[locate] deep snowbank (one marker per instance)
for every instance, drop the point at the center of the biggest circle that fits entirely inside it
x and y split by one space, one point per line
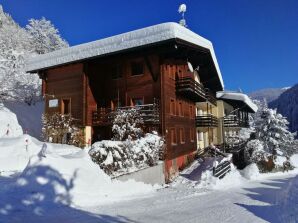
235 178
66 171
29 117
87 183
54 174
9 126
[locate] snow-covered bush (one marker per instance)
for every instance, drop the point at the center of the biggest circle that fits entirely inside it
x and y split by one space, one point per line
255 151
116 157
129 149
61 128
127 124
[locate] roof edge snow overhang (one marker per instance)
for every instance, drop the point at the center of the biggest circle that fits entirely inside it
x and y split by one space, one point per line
237 99
151 35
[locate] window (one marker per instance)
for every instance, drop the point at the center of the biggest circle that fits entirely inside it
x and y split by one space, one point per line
180 109
172 107
173 136
200 136
116 71
137 101
137 68
65 108
181 135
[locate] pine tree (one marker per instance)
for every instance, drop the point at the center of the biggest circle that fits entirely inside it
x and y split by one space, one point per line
272 137
272 129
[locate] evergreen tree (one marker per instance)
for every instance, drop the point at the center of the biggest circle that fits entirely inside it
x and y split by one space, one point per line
272 129
272 138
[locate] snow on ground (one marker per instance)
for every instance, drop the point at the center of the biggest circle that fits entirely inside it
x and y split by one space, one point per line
59 183
42 180
48 177
29 117
9 126
272 199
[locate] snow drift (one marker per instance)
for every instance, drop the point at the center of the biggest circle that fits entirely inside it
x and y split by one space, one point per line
54 174
9 126
66 171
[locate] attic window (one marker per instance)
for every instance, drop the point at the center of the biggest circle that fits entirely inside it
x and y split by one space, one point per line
137 68
116 71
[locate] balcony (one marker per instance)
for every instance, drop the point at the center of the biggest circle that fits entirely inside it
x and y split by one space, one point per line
189 88
232 147
210 97
233 121
149 113
206 121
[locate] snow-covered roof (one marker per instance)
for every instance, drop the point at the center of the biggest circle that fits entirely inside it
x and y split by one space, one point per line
237 97
136 38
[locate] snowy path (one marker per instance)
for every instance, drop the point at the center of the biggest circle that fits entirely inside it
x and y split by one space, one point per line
274 199
271 200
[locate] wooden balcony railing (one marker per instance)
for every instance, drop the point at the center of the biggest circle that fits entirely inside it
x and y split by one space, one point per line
234 121
234 147
188 87
210 97
206 121
148 112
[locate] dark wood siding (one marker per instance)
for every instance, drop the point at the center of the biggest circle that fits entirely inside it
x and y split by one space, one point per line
102 89
185 119
65 82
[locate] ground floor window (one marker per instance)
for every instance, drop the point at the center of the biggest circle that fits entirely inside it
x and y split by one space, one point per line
181 135
173 136
65 107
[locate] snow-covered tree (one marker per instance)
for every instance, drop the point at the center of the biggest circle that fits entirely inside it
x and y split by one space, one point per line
44 36
16 44
127 124
13 49
272 138
272 129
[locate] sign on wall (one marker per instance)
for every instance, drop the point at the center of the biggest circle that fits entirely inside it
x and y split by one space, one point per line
53 103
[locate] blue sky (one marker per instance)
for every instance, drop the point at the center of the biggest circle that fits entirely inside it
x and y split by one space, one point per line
256 41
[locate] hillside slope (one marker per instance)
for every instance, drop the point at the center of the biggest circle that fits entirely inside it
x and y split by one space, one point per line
270 94
287 105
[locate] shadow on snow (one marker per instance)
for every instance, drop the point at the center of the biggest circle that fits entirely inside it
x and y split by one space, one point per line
41 194
281 198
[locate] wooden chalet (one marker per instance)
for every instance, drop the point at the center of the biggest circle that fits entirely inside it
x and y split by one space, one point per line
150 68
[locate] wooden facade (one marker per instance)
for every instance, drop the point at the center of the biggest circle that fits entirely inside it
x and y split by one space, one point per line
93 88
